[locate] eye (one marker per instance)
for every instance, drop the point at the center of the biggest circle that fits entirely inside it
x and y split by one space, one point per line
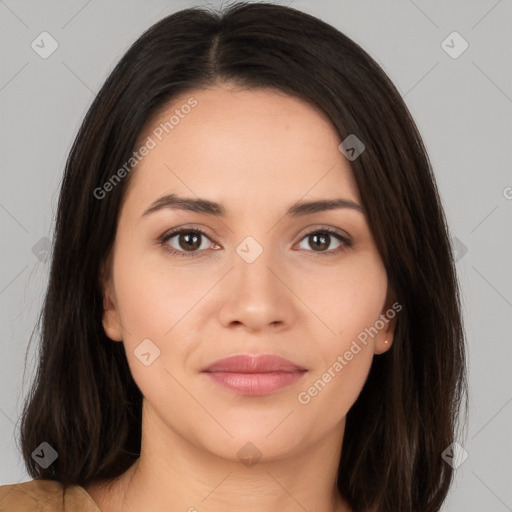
187 240
322 238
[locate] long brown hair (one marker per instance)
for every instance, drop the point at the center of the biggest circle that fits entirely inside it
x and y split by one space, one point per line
84 401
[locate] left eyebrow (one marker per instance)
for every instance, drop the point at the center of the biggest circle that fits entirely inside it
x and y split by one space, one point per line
208 207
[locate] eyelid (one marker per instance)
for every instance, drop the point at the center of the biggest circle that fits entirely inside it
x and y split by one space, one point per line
314 228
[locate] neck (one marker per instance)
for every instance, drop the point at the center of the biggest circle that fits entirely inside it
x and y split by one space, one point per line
174 474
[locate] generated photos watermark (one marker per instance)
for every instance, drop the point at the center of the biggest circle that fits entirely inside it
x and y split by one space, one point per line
157 135
304 397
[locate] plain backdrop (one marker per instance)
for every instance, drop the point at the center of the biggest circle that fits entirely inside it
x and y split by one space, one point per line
462 103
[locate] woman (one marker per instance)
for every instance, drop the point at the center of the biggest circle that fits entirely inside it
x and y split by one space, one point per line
252 301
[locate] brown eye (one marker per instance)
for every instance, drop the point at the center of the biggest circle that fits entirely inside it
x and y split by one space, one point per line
187 241
320 241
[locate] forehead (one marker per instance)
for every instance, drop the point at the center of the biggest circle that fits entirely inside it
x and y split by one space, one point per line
244 147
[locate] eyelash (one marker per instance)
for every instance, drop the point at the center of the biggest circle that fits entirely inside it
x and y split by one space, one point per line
346 242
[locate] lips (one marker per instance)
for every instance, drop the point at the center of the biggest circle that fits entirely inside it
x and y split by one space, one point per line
245 363
254 375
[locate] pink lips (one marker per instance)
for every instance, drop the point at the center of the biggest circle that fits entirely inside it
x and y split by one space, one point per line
254 374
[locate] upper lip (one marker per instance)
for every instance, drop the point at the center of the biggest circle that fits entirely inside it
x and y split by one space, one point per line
258 363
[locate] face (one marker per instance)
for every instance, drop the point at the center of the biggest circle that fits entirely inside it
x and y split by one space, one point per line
265 277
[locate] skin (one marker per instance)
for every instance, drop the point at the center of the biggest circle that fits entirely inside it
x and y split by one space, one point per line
257 152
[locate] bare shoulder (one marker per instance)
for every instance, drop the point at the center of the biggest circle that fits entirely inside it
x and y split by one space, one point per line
44 496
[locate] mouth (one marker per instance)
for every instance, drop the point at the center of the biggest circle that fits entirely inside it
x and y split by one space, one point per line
254 375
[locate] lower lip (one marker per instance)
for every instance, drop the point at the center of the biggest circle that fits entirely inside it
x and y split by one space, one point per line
255 384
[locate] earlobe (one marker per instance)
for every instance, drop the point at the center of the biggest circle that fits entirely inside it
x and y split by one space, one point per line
111 323
383 343
111 327
384 340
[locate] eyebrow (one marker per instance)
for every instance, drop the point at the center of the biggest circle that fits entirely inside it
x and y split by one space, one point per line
208 207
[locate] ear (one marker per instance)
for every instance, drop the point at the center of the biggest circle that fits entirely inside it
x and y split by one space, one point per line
111 320
387 323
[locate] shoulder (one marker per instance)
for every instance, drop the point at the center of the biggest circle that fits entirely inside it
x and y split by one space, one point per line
45 496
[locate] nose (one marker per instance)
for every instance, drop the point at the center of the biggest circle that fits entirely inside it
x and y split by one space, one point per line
255 293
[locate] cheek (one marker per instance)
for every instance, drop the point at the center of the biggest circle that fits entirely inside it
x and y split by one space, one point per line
331 392
153 298
344 299
350 308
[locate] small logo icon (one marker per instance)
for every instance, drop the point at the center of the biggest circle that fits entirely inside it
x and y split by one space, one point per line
249 249
44 455
454 45
146 352
44 45
41 249
455 455
351 147
249 455
459 249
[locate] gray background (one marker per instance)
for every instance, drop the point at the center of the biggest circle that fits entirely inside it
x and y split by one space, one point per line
462 107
